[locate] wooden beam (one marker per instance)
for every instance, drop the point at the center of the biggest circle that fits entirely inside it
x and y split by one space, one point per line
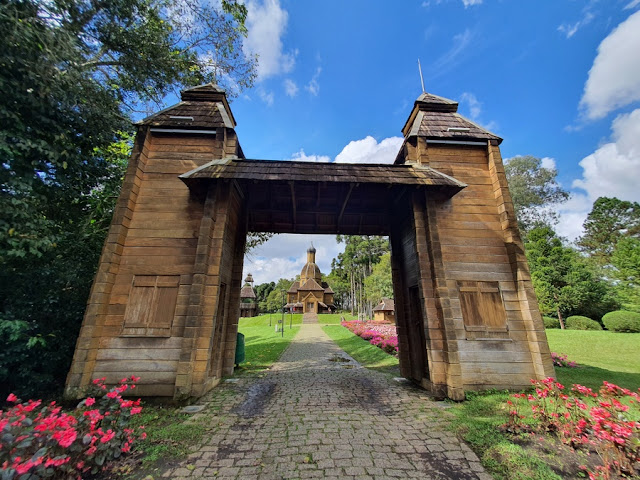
344 204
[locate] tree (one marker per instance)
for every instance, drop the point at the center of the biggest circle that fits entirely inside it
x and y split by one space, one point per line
609 221
379 284
71 73
534 191
626 260
361 253
262 292
278 296
564 283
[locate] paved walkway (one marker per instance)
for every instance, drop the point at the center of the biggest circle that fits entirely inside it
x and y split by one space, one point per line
318 414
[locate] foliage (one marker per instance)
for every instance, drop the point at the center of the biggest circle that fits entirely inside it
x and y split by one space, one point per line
255 239
379 284
584 419
534 191
579 322
353 266
622 321
550 322
626 262
262 292
45 442
561 360
278 295
71 73
564 283
609 221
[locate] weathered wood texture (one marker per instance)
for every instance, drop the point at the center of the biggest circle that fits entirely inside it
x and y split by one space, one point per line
492 313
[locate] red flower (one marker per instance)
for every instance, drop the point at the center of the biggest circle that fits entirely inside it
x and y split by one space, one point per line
107 436
12 398
89 401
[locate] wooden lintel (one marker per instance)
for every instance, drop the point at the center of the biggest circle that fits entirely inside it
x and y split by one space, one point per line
344 204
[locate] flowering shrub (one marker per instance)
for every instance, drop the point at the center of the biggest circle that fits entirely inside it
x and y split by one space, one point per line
42 441
583 418
561 360
382 335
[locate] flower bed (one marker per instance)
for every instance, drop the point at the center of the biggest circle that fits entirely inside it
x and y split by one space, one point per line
380 335
39 441
604 422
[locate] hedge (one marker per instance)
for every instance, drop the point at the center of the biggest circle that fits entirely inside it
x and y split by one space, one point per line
577 322
550 322
622 321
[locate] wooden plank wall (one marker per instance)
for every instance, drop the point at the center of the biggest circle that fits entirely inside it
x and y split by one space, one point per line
474 234
155 232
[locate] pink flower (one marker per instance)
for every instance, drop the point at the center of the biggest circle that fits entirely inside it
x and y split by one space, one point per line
89 401
112 394
107 436
65 437
12 398
136 410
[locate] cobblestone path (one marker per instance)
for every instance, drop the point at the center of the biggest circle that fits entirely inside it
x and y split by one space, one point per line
311 416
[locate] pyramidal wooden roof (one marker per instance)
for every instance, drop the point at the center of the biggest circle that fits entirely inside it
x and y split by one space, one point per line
202 107
437 118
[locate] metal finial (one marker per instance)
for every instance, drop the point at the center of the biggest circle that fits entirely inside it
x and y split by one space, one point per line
421 79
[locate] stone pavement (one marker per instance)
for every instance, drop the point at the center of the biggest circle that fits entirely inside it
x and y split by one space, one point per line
318 414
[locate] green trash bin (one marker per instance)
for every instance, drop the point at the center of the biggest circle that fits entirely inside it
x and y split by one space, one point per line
239 349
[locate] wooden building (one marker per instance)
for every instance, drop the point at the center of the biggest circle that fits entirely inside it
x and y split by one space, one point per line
248 299
385 311
310 294
166 298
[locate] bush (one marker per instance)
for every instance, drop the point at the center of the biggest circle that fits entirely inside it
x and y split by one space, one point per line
622 321
550 322
577 322
44 442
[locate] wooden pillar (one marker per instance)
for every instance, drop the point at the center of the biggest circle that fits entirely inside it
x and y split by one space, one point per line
98 306
532 320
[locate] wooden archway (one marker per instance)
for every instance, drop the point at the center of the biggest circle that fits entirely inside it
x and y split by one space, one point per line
165 302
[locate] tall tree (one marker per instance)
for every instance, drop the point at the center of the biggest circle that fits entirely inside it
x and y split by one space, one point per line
564 283
379 284
626 261
534 191
71 73
610 220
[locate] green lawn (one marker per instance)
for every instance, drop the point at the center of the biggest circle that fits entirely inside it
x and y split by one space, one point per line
361 350
601 355
263 345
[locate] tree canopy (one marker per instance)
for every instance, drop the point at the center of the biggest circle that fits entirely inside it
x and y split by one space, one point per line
534 191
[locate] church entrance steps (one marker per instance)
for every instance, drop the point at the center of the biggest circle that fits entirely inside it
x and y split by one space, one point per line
310 318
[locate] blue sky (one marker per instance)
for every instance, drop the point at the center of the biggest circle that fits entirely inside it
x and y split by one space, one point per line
559 80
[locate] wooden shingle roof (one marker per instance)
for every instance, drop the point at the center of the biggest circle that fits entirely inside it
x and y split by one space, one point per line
282 171
202 107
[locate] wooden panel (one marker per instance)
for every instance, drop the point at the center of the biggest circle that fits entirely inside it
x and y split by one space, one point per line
482 306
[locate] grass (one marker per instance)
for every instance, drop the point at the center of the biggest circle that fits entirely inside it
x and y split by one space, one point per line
601 355
169 433
361 350
263 345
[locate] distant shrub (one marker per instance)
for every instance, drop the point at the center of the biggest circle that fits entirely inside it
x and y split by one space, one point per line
622 321
577 322
550 322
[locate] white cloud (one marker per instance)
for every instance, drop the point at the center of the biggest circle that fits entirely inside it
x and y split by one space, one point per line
266 97
368 150
303 157
614 168
548 162
266 24
314 87
612 171
474 106
452 57
470 3
632 4
614 78
290 87
283 256
570 29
